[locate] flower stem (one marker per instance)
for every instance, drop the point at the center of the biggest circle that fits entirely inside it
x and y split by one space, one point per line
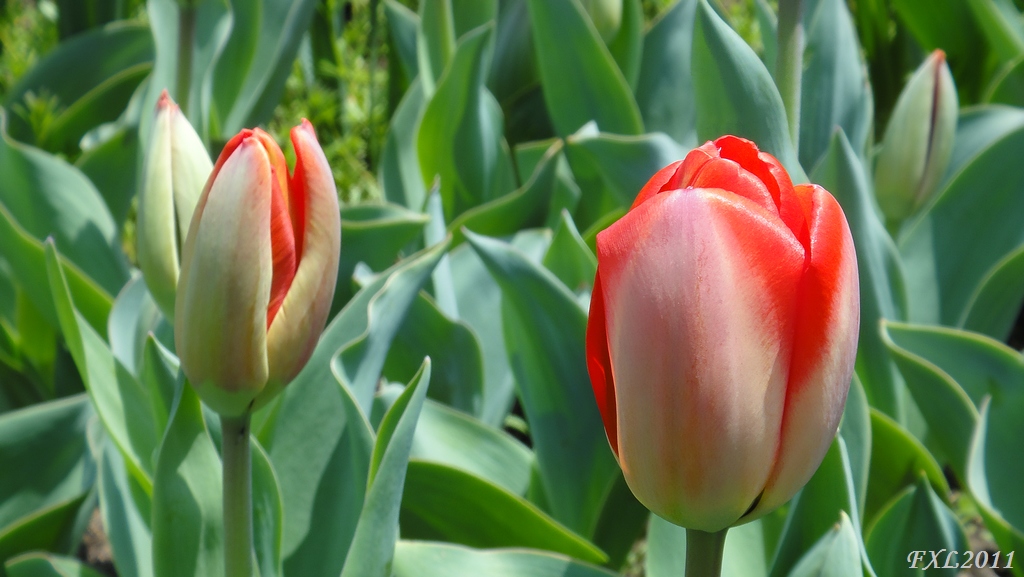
237 496
704 553
186 38
789 65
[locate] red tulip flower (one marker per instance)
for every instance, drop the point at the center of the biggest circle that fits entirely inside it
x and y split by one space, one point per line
722 335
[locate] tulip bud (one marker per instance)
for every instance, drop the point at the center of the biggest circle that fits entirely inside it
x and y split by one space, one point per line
258 270
722 335
918 141
606 16
177 166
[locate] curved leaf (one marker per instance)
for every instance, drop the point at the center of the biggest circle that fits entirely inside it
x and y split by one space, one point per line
665 89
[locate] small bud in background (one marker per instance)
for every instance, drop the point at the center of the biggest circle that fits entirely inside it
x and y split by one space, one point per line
606 16
177 166
918 141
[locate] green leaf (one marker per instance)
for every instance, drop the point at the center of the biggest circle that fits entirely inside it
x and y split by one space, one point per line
950 248
835 89
460 134
622 522
1000 23
568 46
403 26
523 208
435 42
569 258
437 497
855 429
115 179
514 67
374 234
736 94
46 196
46 565
469 14
126 526
978 128
267 513
399 173
457 373
46 528
188 524
744 555
122 403
916 520
626 47
836 554
373 546
416 559
945 369
664 91
993 470
897 460
990 310
544 332
92 75
132 318
882 291
945 24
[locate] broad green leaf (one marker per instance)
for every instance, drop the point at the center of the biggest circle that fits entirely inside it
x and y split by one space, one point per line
514 66
897 460
121 402
126 526
978 128
1000 23
374 234
44 448
132 318
945 24
829 495
523 208
836 554
664 91
882 291
77 16
416 559
399 173
267 513
460 135
48 197
768 22
569 258
469 14
92 76
916 520
626 47
745 554
437 497
970 227
457 378
47 528
622 522
1008 85
47 565
568 46
855 429
115 179
993 470
951 372
436 41
251 70
403 26
735 94
544 329
158 376
990 310
373 545
835 90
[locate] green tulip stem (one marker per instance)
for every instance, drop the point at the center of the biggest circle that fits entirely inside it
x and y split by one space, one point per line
237 496
789 65
704 552
186 38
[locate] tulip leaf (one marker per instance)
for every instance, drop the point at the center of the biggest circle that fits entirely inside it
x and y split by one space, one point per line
978 128
626 47
470 14
897 460
399 173
830 494
994 471
569 258
132 318
187 517
568 46
622 522
736 94
664 91
457 364
435 42
945 252
855 429
48 528
836 554
1000 23
91 77
116 180
48 565
126 525
45 445
883 295
744 556
544 332
460 138
525 207
122 403
1000 292
403 26
373 545
435 496
945 24
835 89
374 234
916 520
418 559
